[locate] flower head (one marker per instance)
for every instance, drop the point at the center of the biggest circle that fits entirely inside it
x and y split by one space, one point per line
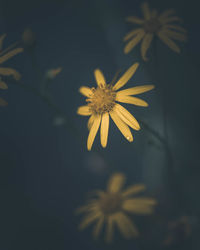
152 25
102 103
4 71
113 206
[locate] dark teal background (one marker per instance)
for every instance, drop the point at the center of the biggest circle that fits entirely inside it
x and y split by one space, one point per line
46 171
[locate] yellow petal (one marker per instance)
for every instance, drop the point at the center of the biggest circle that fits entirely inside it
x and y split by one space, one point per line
126 76
86 91
175 35
146 11
88 220
144 201
98 226
109 229
99 78
146 44
127 117
90 121
10 72
125 226
93 131
133 190
130 45
116 183
175 27
170 19
124 129
2 37
137 209
166 14
168 42
132 33
3 102
84 110
131 100
135 90
134 19
104 129
10 54
3 85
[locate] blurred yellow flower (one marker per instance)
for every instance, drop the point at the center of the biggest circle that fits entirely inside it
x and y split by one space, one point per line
102 102
152 25
4 71
113 206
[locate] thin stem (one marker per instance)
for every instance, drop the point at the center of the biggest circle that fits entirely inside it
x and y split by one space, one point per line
171 177
48 100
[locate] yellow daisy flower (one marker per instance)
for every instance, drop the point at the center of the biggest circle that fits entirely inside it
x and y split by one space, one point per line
152 25
4 71
112 206
102 102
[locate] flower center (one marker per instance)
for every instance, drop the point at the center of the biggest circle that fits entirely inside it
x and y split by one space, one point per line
102 100
110 203
152 26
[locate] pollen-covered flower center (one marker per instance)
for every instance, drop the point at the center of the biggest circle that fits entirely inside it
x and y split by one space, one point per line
102 99
110 203
152 26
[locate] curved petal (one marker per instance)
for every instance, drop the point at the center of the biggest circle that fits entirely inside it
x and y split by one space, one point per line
133 190
10 54
132 33
90 121
3 103
90 218
146 11
175 35
116 183
168 42
109 229
170 19
10 72
126 76
135 90
144 201
132 100
132 207
86 91
2 37
127 117
130 45
146 44
3 85
175 27
124 129
104 129
84 110
98 226
125 226
134 19
166 14
93 131
100 79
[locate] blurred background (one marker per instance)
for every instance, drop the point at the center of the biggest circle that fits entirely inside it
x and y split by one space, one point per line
45 168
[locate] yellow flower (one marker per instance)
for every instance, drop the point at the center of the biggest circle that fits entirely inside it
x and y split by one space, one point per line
112 206
4 71
152 25
102 102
